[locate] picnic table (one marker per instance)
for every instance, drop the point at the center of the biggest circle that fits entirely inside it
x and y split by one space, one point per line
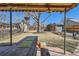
25 47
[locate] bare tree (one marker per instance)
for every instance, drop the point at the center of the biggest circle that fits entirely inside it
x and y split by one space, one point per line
22 26
36 16
1 23
17 24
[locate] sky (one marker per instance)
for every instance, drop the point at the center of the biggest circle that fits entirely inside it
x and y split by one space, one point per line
56 17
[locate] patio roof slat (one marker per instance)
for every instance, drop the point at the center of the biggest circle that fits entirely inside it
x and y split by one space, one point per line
36 6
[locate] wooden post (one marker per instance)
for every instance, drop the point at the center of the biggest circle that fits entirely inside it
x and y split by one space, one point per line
65 31
10 26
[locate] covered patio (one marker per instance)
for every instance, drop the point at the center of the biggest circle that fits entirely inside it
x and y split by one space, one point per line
38 7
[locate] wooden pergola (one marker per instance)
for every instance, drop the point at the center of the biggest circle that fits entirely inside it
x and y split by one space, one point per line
37 7
41 7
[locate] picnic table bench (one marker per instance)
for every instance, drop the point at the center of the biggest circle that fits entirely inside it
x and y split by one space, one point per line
25 47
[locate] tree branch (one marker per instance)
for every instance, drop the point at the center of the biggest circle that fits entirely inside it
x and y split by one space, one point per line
46 18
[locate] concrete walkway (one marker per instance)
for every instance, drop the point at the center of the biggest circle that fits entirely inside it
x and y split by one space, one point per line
54 51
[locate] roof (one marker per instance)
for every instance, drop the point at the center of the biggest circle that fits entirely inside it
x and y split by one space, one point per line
70 22
4 24
42 7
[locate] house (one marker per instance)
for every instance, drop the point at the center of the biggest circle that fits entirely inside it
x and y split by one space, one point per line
4 25
71 25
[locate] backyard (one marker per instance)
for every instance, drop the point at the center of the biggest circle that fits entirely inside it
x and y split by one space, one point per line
51 40
54 40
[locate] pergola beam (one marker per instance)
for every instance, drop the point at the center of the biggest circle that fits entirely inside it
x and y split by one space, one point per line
35 7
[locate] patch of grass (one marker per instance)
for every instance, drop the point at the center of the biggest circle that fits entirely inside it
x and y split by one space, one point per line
26 44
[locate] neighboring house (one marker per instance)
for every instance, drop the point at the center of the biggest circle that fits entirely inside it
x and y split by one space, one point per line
4 25
41 26
71 24
59 27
